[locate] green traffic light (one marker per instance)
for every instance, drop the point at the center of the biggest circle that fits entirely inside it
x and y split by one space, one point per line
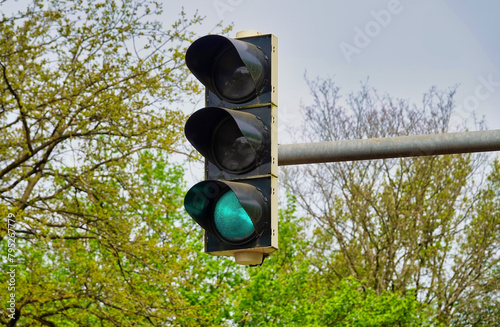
236 133
231 220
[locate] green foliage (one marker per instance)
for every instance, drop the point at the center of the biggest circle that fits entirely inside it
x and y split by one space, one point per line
87 115
480 246
125 264
289 291
355 304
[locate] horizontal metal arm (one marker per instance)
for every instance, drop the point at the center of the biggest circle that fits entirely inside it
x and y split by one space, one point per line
390 147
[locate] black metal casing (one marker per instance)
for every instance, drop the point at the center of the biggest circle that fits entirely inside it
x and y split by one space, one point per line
255 118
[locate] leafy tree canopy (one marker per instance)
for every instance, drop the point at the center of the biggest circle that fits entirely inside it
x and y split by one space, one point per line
427 226
87 117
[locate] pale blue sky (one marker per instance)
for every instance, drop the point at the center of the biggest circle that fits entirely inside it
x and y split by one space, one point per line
404 46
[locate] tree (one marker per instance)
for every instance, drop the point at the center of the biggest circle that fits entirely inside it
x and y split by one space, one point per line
414 226
289 291
87 114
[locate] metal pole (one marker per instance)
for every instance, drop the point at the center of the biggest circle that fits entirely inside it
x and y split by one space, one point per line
391 147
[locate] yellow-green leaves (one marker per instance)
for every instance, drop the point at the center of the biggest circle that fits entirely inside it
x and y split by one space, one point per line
81 101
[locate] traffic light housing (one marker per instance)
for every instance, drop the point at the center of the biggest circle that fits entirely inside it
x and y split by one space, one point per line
237 134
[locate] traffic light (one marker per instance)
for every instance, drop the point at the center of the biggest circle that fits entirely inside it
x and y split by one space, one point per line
236 132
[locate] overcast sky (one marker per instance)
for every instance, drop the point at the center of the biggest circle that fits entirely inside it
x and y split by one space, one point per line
403 46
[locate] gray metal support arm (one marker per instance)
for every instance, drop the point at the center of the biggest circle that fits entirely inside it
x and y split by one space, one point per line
390 147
